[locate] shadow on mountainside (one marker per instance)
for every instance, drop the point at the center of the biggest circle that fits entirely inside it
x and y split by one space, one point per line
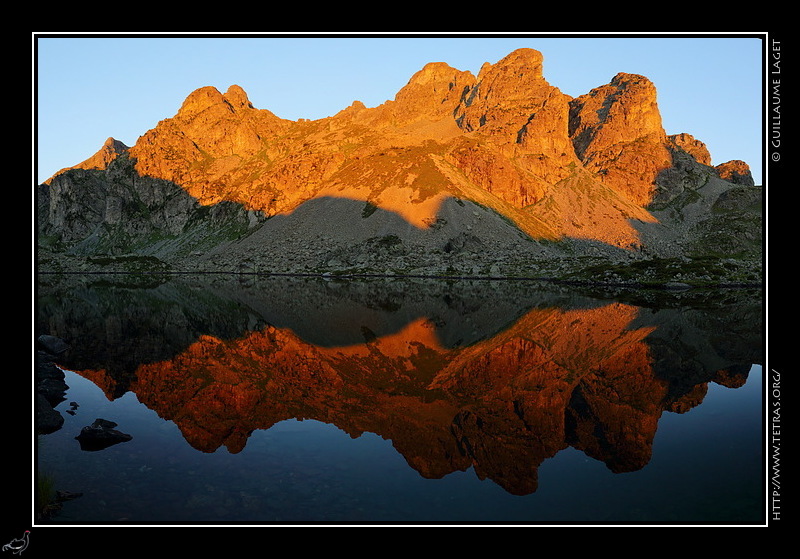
116 220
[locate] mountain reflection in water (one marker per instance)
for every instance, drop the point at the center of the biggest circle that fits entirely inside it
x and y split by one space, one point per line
497 376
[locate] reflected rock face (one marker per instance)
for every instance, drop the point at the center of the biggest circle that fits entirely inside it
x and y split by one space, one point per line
456 377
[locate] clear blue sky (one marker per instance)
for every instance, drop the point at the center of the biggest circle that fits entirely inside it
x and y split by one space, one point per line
90 88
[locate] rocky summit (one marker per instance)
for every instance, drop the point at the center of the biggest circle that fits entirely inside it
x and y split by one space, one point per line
495 175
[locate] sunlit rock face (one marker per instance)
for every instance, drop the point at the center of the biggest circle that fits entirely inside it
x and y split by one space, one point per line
736 171
596 173
692 146
617 132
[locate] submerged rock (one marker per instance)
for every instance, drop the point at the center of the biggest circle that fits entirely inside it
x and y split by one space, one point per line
100 435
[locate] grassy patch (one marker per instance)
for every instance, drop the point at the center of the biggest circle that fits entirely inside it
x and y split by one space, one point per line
389 240
133 263
660 271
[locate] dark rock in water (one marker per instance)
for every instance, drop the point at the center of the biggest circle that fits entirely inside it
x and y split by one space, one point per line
676 285
50 381
100 435
52 344
50 391
48 420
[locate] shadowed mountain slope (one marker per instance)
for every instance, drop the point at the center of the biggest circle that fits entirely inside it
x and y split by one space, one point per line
499 173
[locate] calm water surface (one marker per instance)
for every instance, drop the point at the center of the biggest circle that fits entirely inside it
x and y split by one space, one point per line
290 400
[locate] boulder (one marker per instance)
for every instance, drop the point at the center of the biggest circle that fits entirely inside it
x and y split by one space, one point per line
100 435
52 345
50 388
48 420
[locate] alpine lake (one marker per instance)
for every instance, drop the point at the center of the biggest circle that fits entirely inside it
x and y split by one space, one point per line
386 400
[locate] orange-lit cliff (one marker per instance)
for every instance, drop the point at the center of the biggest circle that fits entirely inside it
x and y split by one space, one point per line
502 165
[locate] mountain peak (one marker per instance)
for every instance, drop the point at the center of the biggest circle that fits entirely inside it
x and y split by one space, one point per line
525 62
237 97
203 98
109 151
624 78
523 152
692 146
199 100
616 130
433 72
433 92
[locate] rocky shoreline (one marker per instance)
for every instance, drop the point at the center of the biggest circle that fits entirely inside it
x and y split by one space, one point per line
668 273
50 385
513 180
51 389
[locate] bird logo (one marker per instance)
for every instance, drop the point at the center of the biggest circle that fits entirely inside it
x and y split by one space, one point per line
18 545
